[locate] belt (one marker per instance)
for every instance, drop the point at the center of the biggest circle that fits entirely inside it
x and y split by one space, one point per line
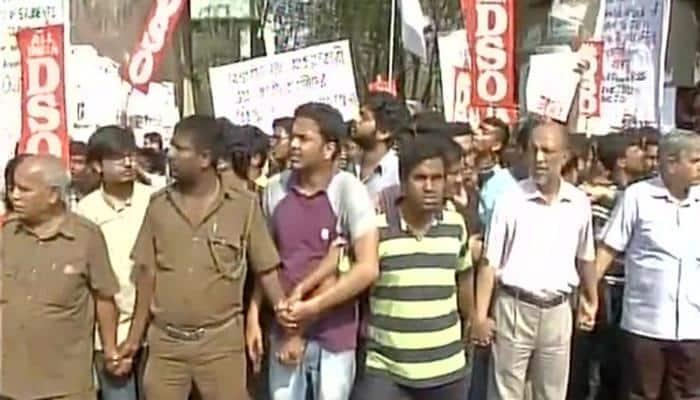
532 299
188 334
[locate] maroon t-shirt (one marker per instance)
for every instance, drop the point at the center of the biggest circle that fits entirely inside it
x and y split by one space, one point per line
303 229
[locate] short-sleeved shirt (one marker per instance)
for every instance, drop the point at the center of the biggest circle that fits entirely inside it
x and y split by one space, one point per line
385 175
534 245
659 236
414 327
303 228
500 183
47 302
120 225
200 270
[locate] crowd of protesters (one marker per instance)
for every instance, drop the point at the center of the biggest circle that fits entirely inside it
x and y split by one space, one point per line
396 256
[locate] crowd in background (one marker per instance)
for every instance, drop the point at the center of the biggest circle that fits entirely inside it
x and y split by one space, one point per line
396 256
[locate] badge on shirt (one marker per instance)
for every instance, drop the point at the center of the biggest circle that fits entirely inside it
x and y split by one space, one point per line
325 234
69 269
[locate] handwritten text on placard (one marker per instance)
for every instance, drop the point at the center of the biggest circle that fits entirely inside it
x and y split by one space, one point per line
258 91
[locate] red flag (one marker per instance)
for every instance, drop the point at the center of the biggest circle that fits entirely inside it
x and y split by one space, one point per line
591 79
149 51
381 85
43 92
491 32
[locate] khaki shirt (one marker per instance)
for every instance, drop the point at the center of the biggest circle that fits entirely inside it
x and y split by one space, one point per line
200 270
48 307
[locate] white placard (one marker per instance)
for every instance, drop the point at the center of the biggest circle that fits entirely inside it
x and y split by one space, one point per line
256 92
551 85
97 95
635 34
454 57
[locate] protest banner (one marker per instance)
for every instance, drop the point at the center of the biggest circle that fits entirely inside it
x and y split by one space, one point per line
591 53
491 33
97 96
544 98
456 83
43 92
15 15
635 34
219 9
148 53
257 91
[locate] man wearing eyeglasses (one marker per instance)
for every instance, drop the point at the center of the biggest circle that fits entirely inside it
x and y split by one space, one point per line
118 208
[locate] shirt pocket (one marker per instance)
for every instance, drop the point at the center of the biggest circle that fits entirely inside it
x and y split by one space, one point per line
228 256
64 283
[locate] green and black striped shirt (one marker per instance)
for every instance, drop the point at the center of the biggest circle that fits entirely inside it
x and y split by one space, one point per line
414 328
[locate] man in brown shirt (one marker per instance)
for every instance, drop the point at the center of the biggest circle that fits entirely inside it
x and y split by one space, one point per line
56 278
191 261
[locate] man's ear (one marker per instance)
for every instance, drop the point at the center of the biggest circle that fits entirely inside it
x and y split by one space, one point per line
96 166
330 150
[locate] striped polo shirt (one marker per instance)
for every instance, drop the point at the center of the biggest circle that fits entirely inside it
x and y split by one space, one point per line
415 329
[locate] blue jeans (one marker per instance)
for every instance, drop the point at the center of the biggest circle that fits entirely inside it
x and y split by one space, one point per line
114 387
323 374
479 379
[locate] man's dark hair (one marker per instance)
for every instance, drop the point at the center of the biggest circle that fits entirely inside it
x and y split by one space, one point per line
613 147
441 133
390 113
205 133
580 146
110 141
285 123
154 137
429 116
240 144
10 168
77 148
156 160
650 135
328 119
501 129
415 151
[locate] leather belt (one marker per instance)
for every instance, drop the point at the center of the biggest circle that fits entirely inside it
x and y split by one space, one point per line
532 299
188 334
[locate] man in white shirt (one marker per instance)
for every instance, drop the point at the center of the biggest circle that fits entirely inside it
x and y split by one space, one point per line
538 247
118 207
656 225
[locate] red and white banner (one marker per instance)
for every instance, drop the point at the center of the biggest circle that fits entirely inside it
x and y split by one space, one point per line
382 85
43 92
148 54
591 53
464 111
491 35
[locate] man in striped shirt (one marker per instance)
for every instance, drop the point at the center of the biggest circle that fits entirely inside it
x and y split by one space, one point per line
415 348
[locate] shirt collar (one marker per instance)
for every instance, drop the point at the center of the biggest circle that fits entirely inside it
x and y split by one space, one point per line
383 166
660 191
66 228
437 218
293 185
565 194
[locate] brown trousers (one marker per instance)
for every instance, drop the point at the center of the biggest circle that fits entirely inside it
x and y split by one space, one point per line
215 364
90 395
661 369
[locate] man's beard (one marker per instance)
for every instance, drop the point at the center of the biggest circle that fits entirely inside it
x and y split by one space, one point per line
366 142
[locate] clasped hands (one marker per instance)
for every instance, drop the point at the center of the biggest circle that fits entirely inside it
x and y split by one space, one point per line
120 362
294 311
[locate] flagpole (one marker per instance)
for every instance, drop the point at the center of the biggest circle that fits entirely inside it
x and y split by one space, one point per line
392 32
